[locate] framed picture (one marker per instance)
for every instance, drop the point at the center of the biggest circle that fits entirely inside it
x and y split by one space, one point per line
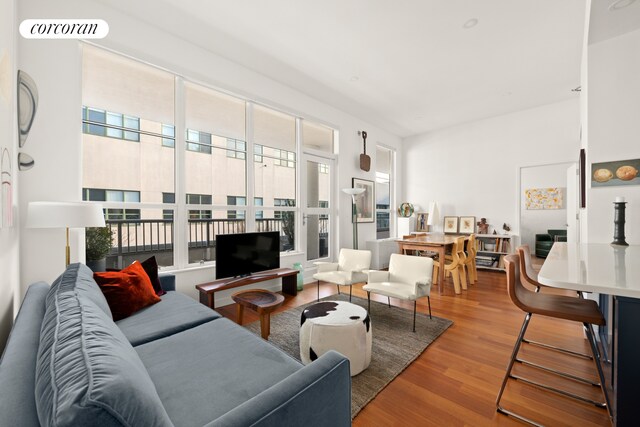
422 218
365 203
620 172
450 224
467 224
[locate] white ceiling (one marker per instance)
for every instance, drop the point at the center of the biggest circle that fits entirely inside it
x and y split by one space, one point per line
408 66
613 18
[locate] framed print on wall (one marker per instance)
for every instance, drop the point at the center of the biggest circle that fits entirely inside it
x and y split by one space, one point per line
422 218
467 224
450 224
365 203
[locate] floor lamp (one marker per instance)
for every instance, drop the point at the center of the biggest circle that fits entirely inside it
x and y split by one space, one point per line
353 192
64 215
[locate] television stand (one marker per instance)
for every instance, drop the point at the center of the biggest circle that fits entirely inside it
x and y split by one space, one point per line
288 276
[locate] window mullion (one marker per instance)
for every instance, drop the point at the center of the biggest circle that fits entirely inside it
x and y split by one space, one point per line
250 213
180 221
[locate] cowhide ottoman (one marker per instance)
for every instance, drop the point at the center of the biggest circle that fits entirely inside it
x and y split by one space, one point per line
339 326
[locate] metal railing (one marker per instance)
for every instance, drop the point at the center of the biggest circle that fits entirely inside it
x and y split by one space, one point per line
139 236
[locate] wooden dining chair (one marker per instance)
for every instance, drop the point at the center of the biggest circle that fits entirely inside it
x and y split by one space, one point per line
470 260
452 267
555 306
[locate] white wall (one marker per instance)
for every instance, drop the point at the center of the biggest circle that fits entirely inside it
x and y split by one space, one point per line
55 145
9 237
536 221
613 111
472 168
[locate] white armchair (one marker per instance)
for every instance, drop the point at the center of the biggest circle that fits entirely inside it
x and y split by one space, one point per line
408 278
347 271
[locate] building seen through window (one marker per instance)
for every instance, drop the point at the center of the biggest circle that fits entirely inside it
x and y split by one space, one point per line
129 162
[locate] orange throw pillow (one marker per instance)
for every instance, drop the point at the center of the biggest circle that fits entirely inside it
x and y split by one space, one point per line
127 290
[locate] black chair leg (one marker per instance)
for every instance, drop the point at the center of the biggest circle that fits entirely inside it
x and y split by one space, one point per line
594 349
338 286
429 302
414 315
507 374
369 302
388 302
350 291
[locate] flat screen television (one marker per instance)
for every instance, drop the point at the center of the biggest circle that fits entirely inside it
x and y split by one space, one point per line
246 253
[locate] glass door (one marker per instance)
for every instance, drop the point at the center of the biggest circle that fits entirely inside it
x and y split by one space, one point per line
317 207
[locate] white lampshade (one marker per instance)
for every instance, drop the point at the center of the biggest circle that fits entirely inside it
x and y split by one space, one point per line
64 214
353 191
434 214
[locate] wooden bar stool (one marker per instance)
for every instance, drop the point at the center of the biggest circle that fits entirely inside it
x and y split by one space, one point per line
559 307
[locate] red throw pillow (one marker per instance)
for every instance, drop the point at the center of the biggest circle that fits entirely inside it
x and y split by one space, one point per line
127 290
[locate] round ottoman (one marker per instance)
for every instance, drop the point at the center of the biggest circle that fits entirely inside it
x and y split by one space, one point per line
339 326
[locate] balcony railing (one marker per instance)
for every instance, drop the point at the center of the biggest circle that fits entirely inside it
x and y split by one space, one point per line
131 238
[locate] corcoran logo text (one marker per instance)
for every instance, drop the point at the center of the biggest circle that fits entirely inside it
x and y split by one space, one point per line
64 29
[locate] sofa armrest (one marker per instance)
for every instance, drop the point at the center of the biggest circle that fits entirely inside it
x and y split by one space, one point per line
544 238
168 281
18 363
317 395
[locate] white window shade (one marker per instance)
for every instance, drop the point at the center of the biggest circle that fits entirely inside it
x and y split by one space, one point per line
115 83
214 112
317 136
274 129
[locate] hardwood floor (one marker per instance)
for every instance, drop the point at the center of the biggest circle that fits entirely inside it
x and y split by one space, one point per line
456 380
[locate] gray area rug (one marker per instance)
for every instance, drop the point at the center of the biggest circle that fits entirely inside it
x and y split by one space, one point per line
395 346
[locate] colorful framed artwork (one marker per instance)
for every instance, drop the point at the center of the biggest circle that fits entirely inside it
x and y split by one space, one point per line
621 172
543 198
365 203
467 225
450 224
422 219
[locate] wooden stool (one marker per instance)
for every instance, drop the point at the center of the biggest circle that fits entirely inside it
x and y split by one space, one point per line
262 302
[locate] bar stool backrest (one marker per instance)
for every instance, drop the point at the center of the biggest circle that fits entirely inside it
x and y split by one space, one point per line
517 292
531 276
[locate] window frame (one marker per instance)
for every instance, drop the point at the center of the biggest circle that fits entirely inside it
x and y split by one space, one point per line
180 140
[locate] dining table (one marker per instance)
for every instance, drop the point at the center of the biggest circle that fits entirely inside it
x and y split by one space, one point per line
612 272
437 242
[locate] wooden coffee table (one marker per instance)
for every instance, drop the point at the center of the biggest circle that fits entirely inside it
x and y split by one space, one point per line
261 301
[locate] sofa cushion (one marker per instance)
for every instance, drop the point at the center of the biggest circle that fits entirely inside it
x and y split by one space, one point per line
127 290
175 313
81 277
225 366
87 373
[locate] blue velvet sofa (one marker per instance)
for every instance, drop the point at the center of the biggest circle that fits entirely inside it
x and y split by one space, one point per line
175 363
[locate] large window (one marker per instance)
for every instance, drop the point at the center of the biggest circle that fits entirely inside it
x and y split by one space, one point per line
130 138
384 170
127 153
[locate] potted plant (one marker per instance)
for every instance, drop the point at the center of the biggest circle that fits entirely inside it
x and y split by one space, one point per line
98 245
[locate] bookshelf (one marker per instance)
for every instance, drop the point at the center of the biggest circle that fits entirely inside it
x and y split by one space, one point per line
491 250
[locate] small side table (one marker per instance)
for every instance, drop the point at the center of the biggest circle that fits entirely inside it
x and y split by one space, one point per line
262 302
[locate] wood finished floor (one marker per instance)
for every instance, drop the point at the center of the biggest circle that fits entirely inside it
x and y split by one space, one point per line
456 380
